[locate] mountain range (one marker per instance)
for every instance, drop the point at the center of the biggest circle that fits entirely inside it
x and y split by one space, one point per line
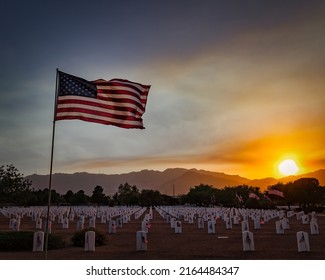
170 181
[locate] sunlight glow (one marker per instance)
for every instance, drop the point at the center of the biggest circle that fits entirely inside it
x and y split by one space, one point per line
288 167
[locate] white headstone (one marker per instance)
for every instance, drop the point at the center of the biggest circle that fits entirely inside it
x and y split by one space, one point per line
60 219
112 227
200 223
16 225
248 241
65 223
228 223
80 224
257 224
279 227
103 219
236 220
303 241
211 227
141 239
305 219
71 217
145 226
119 222
178 226
82 219
172 222
38 241
285 223
90 241
314 229
92 222
244 226
39 223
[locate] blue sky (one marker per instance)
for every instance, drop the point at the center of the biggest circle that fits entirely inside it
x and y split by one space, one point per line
236 86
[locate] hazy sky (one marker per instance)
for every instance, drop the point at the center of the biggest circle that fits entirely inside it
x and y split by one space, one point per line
236 86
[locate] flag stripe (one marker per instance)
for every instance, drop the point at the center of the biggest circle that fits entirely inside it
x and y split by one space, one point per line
100 119
86 107
121 106
116 102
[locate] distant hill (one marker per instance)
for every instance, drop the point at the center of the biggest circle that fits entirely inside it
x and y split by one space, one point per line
179 179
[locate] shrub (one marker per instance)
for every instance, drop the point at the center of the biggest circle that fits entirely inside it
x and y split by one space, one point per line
78 239
23 241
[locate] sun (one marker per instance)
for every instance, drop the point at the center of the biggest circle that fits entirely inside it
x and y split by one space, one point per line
288 167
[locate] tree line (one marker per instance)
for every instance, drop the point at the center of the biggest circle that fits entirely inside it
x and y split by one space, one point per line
305 193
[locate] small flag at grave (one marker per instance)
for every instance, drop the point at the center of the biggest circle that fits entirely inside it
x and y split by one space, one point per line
144 239
275 192
253 195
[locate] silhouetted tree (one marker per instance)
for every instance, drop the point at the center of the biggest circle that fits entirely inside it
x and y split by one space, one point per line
79 198
13 185
127 195
68 196
98 196
202 194
150 198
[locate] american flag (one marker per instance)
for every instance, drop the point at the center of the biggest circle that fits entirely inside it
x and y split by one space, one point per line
239 197
253 195
275 192
115 102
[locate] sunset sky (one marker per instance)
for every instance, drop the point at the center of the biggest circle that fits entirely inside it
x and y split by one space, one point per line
236 86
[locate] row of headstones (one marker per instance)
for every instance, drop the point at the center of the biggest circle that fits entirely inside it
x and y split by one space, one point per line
141 236
280 225
247 236
14 223
248 240
176 224
90 241
302 241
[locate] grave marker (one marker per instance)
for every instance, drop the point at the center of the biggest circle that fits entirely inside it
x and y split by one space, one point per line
279 227
211 227
141 239
38 241
248 241
111 227
90 241
314 229
178 227
303 241
200 223
244 226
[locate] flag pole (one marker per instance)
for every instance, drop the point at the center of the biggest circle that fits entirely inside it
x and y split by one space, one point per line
51 167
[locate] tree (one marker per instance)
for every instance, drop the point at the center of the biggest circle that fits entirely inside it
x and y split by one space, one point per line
127 195
79 198
202 194
150 198
98 196
12 184
68 196
305 191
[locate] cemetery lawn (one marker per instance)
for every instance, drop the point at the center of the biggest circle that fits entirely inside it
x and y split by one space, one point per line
193 243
